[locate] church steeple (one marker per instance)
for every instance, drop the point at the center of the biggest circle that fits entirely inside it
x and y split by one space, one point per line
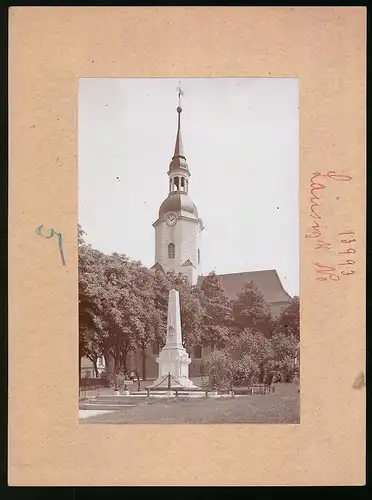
179 159
178 227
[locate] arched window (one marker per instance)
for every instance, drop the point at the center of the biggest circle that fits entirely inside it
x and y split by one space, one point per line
198 256
171 251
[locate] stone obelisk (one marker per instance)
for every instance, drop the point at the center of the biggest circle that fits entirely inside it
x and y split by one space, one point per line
173 358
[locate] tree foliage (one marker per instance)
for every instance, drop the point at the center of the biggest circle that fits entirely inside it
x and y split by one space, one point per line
251 357
289 319
217 325
123 308
251 310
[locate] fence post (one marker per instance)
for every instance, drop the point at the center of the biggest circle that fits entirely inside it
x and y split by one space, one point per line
169 380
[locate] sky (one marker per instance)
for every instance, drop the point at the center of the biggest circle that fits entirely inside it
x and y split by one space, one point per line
241 142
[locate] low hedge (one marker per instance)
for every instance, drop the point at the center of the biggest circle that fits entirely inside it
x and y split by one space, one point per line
94 382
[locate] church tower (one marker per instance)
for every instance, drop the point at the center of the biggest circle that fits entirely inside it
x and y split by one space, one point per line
178 227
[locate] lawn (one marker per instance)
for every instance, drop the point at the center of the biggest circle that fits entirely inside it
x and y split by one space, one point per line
282 407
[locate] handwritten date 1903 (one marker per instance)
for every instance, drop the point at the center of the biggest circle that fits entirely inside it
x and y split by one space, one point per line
344 267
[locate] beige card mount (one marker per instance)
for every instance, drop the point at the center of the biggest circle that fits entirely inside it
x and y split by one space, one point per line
50 49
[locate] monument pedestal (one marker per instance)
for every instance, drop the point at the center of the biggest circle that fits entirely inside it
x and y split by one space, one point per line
173 358
174 361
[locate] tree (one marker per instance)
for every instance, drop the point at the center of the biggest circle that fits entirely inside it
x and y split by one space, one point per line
242 362
81 234
289 319
161 286
91 327
217 312
220 368
90 346
106 305
148 322
251 347
285 347
118 300
130 309
250 310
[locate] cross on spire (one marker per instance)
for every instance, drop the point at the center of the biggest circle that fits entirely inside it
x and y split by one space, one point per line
180 93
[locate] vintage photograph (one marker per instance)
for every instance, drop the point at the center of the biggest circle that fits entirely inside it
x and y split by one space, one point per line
188 250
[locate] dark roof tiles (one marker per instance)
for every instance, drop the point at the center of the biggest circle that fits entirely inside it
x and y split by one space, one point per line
267 280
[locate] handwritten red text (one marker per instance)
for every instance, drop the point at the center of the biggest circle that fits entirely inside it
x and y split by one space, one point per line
345 244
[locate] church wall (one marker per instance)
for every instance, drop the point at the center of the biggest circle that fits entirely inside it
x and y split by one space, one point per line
191 273
151 365
277 307
189 242
87 369
199 236
185 236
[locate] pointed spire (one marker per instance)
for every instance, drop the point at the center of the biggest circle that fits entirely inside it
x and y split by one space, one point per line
178 148
179 158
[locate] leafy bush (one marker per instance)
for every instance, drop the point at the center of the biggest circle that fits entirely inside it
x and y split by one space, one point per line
117 379
253 358
219 367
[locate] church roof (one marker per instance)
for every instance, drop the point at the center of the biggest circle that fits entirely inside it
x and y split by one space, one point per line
188 263
158 267
178 201
267 280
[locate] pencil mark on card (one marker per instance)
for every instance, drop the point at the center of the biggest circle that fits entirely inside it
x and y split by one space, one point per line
52 232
